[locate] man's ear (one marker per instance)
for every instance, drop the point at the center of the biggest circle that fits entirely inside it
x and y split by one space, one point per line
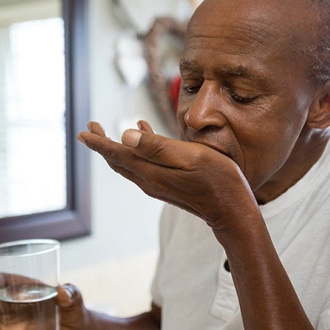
319 112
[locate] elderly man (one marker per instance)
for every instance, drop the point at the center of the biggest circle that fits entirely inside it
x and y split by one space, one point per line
245 243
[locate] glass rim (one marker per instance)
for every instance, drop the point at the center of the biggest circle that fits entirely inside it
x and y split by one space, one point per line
53 246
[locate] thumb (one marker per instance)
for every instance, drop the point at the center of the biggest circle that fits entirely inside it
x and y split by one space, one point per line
166 151
72 310
68 295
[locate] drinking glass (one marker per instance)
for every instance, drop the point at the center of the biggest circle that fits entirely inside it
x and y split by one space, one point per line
29 275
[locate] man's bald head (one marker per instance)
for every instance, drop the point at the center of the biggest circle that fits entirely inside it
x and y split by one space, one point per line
302 26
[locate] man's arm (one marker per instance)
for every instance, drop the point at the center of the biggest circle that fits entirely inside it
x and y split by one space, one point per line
266 295
210 185
74 316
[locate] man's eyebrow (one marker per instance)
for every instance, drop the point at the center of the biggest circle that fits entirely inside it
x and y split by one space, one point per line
227 72
189 66
240 71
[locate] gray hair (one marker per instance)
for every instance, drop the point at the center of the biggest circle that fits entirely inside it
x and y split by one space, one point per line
319 52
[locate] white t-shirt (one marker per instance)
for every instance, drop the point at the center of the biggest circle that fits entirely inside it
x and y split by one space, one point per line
194 289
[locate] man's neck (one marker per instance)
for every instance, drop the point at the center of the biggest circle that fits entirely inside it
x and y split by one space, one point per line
302 158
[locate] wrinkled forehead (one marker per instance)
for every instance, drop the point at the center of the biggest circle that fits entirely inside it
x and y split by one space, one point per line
268 25
271 11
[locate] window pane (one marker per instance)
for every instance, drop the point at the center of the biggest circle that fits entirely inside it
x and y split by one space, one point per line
32 126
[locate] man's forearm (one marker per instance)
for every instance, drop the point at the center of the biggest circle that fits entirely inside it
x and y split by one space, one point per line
267 297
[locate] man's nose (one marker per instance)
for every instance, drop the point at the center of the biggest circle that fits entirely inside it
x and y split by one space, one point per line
206 108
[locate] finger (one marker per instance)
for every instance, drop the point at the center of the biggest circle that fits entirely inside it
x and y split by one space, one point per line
96 128
73 314
124 160
68 296
165 151
93 128
145 126
14 280
109 149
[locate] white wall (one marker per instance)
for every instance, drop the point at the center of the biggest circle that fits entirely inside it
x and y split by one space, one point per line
124 220
114 266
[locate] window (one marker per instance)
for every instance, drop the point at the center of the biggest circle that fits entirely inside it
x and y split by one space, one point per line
44 185
32 139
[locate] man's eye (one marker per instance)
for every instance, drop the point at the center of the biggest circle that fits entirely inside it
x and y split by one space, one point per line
241 99
191 89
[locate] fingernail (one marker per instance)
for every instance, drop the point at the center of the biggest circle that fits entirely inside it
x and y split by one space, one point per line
69 294
81 139
139 124
90 126
131 138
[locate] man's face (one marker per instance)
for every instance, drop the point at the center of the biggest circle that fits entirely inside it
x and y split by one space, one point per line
244 88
